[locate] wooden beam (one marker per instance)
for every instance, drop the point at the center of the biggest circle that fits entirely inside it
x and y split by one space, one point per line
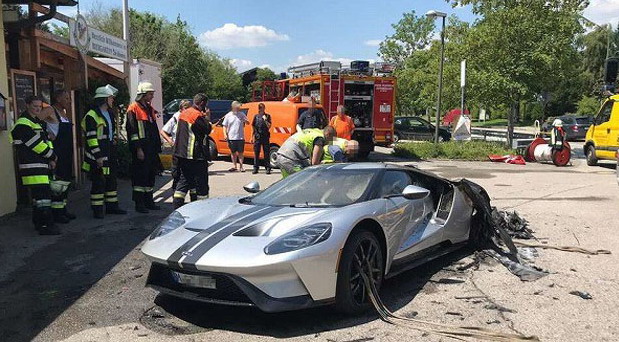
44 10
105 68
47 35
62 48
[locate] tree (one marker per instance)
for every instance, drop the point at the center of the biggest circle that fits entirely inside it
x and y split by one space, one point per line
519 49
412 33
187 68
588 105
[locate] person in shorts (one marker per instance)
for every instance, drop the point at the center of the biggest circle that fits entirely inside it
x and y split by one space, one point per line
234 132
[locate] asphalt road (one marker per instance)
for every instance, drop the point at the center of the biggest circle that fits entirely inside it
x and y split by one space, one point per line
88 285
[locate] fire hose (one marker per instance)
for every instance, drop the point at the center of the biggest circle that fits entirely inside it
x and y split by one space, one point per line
455 332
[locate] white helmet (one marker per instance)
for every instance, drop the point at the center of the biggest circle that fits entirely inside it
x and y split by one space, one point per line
145 87
105 91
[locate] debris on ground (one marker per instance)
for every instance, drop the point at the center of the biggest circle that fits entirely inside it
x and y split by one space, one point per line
508 159
516 226
582 294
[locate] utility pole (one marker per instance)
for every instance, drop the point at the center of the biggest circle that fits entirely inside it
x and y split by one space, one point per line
435 14
127 63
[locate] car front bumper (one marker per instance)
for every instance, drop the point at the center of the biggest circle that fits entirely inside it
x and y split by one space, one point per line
229 290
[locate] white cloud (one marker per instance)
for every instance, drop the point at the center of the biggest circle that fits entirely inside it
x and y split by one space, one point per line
603 12
372 42
241 64
231 36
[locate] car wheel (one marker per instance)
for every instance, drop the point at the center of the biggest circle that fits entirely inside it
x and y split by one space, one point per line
396 137
212 149
441 138
592 160
273 156
361 249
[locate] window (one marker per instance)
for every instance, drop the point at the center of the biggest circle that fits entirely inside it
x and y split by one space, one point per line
418 123
393 183
604 114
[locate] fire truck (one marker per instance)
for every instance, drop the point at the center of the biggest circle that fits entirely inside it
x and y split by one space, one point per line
368 93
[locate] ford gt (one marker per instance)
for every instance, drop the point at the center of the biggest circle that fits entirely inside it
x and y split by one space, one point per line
305 240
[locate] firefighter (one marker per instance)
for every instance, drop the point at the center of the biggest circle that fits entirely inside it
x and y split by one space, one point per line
36 158
191 150
145 145
100 156
303 149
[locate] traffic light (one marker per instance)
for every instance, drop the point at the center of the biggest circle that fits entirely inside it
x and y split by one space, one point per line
610 69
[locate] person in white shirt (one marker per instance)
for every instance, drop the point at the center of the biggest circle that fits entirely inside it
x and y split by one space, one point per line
168 131
234 132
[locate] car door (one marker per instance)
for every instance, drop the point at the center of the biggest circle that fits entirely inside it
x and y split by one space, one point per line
421 129
403 128
602 131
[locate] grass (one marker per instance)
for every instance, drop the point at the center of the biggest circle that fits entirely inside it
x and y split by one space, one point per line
453 150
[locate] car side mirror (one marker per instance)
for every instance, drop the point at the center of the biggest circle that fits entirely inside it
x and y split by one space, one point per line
252 187
413 192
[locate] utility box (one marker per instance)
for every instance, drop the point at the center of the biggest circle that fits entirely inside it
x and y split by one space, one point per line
144 70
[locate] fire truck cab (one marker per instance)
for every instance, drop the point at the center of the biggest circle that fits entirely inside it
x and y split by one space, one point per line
367 93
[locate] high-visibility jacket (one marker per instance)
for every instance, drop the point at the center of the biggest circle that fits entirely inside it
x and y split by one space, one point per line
327 155
192 131
98 143
34 149
142 128
306 139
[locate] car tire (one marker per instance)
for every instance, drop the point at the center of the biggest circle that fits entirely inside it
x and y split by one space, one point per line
273 156
592 160
212 149
351 297
441 139
396 138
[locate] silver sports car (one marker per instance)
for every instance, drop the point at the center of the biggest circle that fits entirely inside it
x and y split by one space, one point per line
304 240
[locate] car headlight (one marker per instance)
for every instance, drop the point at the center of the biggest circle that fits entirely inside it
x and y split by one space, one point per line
172 222
299 238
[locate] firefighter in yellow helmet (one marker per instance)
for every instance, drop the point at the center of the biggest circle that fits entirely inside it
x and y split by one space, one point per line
100 157
145 145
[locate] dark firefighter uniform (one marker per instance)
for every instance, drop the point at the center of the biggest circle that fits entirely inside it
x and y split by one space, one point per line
143 133
100 145
191 151
34 153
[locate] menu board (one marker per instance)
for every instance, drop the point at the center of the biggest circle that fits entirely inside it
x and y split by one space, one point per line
23 85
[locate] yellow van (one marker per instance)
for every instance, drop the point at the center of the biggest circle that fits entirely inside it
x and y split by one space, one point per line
602 140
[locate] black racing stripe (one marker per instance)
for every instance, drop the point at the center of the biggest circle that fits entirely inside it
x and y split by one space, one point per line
190 261
176 256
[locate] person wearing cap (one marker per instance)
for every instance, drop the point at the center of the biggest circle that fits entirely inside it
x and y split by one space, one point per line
36 158
100 156
145 145
234 132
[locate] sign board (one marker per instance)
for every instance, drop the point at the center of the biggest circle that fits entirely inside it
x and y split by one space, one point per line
88 39
463 73
23 84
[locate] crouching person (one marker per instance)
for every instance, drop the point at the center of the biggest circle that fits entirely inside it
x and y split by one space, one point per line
303 149
340 151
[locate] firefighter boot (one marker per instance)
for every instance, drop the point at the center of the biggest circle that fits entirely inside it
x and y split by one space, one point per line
193 195
49 227
113 209
140 202
178 202
59 216
149 202
98 211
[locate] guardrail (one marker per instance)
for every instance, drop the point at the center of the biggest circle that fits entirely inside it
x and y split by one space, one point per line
521 139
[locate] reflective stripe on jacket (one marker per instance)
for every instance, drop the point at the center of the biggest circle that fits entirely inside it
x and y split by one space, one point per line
192 133
142 128
34 149
98 144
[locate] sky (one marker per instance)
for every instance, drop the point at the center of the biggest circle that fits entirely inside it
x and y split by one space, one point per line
276 34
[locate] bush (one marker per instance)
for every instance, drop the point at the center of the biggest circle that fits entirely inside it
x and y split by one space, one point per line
124 159
455 150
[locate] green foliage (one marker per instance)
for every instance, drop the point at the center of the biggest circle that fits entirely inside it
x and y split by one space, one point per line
588 106
412 33
187 68
62 31
452 150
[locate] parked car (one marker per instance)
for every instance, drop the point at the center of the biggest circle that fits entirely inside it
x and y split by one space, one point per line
277 250
575 127
172 107
602 140
416 128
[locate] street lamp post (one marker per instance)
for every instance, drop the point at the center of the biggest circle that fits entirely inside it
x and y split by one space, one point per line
435 14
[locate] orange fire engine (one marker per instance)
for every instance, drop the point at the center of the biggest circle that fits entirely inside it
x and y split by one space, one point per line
367 93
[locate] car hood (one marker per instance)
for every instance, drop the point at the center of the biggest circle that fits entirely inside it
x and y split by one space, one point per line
214 214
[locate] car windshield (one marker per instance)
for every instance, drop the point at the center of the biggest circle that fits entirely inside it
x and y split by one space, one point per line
318 187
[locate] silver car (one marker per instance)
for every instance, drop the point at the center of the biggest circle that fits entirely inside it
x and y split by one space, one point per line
304 240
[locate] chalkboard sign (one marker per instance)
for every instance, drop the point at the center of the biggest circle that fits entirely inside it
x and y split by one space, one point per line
24 85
